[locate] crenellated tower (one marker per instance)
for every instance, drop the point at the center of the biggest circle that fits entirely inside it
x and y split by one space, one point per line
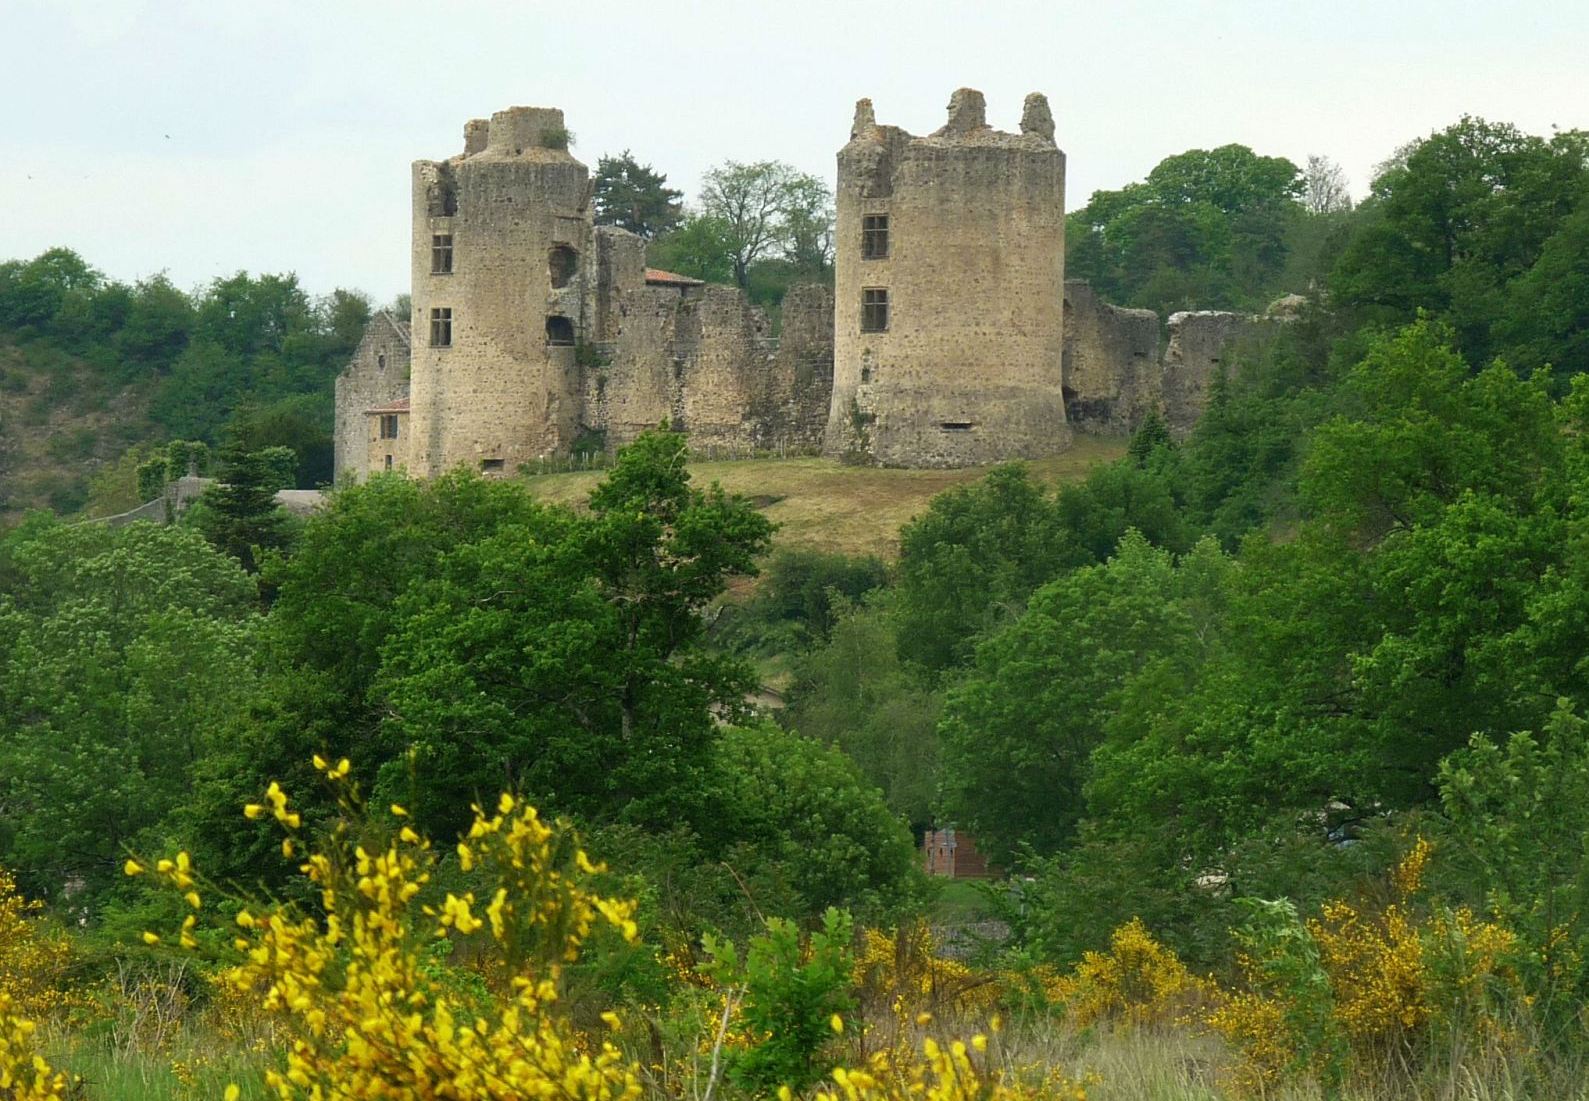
949 291
500 237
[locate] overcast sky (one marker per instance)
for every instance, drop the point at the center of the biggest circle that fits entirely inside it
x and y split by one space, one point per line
209 136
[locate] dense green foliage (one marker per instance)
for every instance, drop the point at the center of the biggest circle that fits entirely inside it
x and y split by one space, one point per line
1206 229
1242 663
247 360
455 638
1247 663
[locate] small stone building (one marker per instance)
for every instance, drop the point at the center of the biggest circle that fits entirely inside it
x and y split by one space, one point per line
376 377
953 854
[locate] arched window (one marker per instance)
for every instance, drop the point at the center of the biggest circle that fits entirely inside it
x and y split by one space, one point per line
562 262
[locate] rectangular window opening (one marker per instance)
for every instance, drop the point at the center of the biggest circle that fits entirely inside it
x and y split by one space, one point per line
388 426
957 426
492 466
441 327
874 237
441 254
874 310
388 462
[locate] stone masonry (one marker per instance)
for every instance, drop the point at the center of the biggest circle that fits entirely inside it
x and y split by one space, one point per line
376 377
534 331
949 266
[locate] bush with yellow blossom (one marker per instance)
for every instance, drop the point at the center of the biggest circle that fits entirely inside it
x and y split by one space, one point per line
364 1017
33 958
1138 981
24 1075
1366 986
953 1071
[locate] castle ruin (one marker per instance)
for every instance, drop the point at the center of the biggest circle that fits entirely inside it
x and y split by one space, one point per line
951 337
949 266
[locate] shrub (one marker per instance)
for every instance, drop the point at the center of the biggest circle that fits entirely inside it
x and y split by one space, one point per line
33 959
353 979
792 999
1138 981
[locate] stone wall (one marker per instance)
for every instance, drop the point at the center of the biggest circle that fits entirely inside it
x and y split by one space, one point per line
968 369
701 359
1202 344
376 375
1111 362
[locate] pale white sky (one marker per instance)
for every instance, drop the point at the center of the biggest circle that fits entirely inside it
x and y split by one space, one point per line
206 136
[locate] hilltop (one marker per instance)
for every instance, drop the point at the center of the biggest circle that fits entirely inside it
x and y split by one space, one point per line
822 504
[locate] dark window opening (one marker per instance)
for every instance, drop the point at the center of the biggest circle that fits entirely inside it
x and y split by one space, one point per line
559 331
388 462
388 426
956 426
492 466
562 262
866 374
874 310
441 327
380 362
874 237
441 197
441 254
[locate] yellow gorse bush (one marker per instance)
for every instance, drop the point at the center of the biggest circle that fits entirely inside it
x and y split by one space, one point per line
24 1075
364 1018
1391 975
952 1072
33 961
1138 981
902 969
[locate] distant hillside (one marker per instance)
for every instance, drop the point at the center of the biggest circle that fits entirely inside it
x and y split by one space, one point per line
95 373
62 423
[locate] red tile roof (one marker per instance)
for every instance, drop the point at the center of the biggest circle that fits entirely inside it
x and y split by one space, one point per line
398 406
658 277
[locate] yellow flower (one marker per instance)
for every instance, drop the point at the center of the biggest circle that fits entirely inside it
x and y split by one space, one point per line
151 938
836 1023
132 867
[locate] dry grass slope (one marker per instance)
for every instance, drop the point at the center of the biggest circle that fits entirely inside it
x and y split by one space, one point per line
826 505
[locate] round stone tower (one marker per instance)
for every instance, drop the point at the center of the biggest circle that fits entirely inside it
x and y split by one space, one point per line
500 233
949 285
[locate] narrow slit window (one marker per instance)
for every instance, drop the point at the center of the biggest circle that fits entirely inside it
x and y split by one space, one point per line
874 237
492 466
388 462
874 310
441 254
441 327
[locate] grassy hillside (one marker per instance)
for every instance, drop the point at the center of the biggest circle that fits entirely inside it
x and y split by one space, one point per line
826 505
